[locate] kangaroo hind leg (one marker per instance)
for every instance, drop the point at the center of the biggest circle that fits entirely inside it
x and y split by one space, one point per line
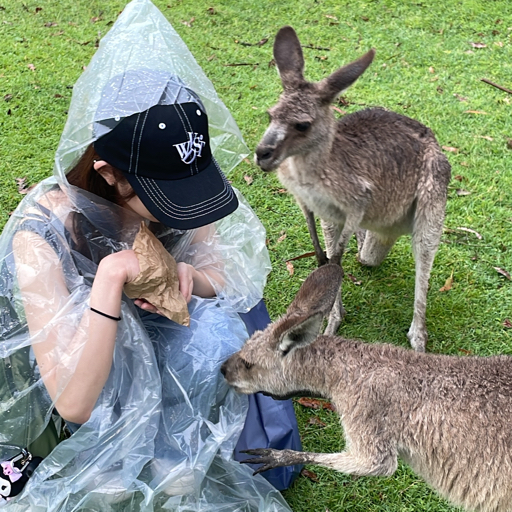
375 248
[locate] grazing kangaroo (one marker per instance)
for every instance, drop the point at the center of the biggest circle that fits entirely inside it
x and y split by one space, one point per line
372 170
447 417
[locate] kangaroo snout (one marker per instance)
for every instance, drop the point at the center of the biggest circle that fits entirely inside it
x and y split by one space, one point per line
264 158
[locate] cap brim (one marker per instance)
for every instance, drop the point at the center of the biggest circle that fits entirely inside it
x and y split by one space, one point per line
187 203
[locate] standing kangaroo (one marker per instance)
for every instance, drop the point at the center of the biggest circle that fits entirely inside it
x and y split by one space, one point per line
372 170
447 417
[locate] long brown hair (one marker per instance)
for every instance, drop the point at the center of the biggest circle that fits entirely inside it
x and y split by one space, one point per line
85 176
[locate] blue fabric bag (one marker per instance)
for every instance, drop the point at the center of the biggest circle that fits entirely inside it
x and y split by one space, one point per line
270 423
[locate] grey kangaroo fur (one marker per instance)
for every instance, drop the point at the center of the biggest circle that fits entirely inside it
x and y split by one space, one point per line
372 170
449 418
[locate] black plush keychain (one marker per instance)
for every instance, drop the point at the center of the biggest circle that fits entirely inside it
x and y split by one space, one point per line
15 473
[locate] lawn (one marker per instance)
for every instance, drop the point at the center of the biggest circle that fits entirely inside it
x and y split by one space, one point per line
430 61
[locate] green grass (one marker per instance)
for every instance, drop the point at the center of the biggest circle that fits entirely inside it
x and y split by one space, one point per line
426 67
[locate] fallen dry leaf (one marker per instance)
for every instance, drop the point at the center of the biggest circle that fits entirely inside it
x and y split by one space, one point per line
447 285
31 67
305 255
210 10
8 97
478 45
503 272
461 98
248 179
331 17
462 192
281 238
316 421
310 403
459 177
498 43
469 230
450 149
315 403
189 23
486 137
342 112
289 266
51 24
475 112
353 279
507 323
22 186
431 69
309 474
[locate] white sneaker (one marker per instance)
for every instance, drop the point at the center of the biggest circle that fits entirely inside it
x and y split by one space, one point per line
174 479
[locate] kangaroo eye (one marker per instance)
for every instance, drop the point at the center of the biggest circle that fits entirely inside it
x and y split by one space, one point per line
302 127
247 364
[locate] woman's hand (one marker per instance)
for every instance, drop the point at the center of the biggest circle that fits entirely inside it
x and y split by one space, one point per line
186 274
189 280
147 306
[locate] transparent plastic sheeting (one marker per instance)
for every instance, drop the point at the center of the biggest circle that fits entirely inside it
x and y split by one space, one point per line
162 433
142 38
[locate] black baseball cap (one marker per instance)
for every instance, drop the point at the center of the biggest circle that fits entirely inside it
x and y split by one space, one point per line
164 153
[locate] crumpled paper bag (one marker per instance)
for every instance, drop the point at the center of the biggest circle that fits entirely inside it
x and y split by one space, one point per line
157 281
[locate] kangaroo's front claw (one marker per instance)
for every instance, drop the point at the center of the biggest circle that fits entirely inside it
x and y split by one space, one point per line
266 456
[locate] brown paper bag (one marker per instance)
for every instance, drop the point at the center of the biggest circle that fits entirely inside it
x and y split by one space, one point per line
157 281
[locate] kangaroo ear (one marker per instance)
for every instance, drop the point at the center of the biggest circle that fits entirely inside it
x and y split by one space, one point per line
301 324
318 292
288 57
344 77
295 332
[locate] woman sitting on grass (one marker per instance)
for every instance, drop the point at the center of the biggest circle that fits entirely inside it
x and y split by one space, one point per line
151 417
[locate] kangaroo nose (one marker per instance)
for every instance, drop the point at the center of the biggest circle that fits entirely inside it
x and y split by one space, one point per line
263 153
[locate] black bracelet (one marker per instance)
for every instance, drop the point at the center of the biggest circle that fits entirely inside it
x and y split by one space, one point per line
116 318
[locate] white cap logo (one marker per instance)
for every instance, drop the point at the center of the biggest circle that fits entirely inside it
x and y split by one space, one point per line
191 149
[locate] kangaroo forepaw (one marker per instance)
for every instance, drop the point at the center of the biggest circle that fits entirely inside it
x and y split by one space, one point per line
268 457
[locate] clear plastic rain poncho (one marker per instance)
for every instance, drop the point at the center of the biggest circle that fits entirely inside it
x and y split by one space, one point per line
162 433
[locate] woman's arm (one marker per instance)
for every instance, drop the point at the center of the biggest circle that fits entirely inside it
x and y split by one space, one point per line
203 276
74 360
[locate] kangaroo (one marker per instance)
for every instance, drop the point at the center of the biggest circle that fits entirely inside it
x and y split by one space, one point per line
373 172
449 418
